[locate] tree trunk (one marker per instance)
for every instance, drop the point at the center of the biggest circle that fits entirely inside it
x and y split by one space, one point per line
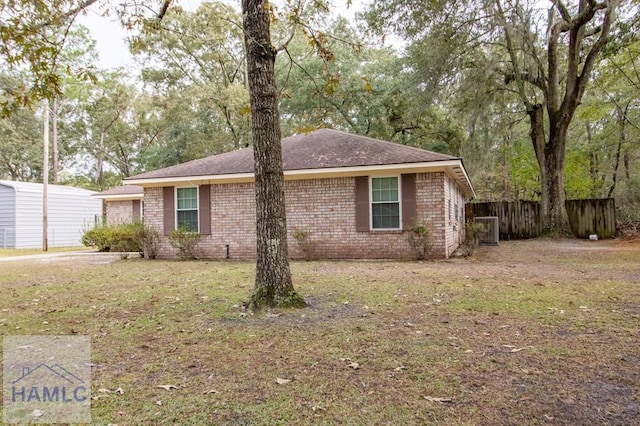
550 157
622 136
273 284
593 158
554 211
627 167
100 163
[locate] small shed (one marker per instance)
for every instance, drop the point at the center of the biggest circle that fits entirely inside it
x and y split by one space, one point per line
70 211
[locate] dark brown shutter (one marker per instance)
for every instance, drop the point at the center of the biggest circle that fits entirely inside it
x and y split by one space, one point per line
169 210
408 199
362 203
204 209
135 206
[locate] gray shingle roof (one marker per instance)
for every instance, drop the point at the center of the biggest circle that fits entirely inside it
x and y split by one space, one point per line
320 149
122 190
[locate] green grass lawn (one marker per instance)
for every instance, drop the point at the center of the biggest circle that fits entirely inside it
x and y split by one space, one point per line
534 332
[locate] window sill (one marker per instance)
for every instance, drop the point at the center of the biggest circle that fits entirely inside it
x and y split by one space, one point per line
385 231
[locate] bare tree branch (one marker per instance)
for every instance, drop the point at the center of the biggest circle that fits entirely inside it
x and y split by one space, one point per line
517 72
564 12
164 9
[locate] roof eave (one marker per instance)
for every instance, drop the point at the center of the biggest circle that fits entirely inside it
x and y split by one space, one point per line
454 165
119 197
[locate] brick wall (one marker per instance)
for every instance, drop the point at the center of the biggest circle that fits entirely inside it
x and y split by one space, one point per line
153 217
455 217
430 208
119 212
325 208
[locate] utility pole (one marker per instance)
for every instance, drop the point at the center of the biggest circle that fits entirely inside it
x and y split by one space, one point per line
45 180
54 140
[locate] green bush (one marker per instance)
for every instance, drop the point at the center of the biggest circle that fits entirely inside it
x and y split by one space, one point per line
304 243
185 242
123 238
473 232
148 239
98 237
419 238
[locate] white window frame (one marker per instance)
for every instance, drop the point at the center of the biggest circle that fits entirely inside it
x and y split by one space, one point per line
175 195
371 203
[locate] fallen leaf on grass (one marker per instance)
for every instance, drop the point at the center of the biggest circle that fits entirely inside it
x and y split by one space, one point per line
167 387
354 365
436 399
158 402
282 381
97 397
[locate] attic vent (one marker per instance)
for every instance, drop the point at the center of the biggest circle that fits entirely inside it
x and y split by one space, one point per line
492 235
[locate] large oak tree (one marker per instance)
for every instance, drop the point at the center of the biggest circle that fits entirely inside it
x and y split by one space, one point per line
560 74
544 53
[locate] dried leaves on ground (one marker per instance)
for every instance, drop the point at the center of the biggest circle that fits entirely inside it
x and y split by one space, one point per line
529 332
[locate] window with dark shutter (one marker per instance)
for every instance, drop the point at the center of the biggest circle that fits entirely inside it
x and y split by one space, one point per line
378 203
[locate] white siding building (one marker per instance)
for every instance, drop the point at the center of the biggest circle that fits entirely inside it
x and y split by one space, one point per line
71 211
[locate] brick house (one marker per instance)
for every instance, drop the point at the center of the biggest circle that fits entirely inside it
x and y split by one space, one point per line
122 204
353 195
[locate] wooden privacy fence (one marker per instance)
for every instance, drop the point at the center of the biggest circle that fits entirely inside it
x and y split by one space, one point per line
596 216
521 219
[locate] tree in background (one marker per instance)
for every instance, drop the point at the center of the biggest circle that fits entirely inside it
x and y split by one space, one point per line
609 125
554 80
546 57
20 136
194 66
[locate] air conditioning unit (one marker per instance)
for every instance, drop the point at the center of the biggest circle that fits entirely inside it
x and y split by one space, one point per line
492 235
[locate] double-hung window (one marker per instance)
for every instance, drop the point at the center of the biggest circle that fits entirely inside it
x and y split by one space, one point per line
187 209
385 203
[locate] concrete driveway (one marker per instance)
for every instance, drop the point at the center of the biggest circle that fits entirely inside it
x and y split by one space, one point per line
93 256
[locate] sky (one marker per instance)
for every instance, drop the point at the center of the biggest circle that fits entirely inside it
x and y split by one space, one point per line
110 36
